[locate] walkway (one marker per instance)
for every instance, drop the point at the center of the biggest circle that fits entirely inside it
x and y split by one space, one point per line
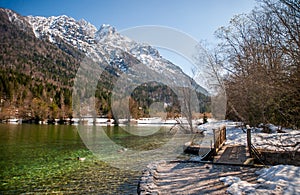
232 154
190 178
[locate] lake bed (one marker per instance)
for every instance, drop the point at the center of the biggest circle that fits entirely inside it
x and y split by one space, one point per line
43 158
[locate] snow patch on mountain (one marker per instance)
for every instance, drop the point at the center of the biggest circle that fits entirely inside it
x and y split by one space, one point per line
77 33
113 42
104 31
105 44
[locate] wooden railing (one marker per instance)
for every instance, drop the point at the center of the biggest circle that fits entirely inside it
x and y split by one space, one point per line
219 138
256 154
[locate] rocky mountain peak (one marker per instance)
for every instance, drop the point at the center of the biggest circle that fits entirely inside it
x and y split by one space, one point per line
78 34
106 30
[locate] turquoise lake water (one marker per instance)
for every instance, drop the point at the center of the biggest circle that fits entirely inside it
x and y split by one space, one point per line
43 158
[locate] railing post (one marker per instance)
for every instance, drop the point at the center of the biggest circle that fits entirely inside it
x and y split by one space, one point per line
249 139
223 133
220 137
225 136
215 149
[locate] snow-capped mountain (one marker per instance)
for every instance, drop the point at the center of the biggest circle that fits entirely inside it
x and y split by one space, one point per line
112 41
80 34
103 43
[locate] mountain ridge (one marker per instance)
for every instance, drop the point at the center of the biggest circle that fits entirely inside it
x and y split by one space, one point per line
89 38
76 40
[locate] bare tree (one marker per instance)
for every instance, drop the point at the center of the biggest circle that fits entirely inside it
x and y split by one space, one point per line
210 75
188 106
261 56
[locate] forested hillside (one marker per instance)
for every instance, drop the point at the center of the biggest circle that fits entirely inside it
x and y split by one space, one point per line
36 76
37 72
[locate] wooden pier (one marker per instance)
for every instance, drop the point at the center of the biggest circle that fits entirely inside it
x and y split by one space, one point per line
232 155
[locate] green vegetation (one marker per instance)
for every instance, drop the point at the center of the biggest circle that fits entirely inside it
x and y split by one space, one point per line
35 76
148 93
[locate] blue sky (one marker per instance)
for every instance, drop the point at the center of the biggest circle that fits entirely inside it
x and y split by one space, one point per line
198 18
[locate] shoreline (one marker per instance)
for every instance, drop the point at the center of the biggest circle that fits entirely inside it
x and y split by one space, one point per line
94 121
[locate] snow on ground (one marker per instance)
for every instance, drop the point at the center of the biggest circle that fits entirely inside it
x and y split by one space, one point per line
280 179
274 141
277 141
235 135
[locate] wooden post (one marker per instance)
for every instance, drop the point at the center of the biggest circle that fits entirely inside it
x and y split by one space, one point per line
249 139
215 150
220 137
225 133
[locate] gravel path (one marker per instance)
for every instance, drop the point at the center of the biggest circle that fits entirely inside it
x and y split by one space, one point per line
190 178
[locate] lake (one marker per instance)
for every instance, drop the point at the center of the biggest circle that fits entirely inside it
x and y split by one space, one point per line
43 158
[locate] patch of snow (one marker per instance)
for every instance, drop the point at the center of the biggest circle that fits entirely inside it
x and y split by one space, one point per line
64 27
280 179
215 124
272 127
237 186
235 135
229 180
104 31
196 158
285 178
277 141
